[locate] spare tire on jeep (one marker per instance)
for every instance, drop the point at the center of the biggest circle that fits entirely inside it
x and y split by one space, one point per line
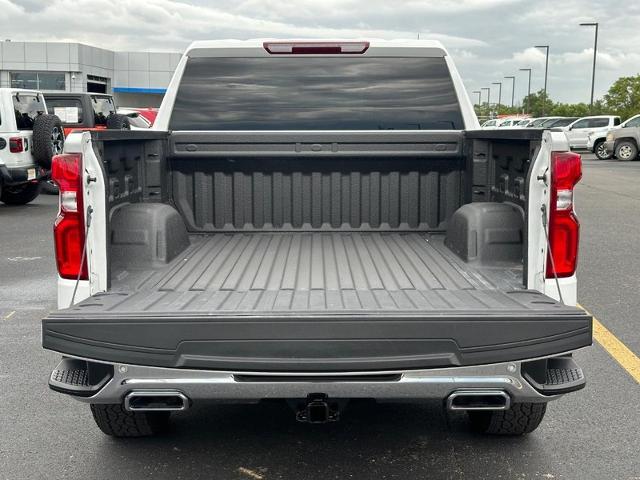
48 139
116 121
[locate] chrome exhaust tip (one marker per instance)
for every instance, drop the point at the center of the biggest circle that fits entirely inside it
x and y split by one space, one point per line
156 401
479 400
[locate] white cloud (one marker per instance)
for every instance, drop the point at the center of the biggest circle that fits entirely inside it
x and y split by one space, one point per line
488 38
604 60
530 57
162 23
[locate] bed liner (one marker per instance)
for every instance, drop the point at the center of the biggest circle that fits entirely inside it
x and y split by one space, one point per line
317 300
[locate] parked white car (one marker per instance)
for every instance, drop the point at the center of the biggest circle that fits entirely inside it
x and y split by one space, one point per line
561 123
579 131
509 122
29 138
597 139
491 124
524 123
500 123
538 122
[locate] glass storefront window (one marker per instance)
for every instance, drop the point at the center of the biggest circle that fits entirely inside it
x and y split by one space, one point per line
24 80
51 81
38 80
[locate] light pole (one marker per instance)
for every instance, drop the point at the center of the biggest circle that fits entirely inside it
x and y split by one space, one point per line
546 74
513 88
499 93
479 96
488 96
595 53
529 88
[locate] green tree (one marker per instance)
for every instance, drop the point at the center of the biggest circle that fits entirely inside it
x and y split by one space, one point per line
623 97
537 103
486 111
570 110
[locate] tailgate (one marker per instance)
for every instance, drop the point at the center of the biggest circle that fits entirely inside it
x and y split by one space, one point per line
314 342
330 302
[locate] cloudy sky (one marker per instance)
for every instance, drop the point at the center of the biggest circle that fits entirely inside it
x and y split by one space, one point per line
488 38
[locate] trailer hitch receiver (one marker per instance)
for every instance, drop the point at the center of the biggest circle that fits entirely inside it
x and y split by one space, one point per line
318 409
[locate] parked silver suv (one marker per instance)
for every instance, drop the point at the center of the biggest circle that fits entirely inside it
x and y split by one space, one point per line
623 142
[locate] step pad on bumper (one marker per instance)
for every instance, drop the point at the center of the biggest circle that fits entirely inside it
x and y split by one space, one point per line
78 377
563 376
554 375
73 377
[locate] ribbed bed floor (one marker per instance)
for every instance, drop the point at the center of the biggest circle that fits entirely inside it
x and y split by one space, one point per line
320 272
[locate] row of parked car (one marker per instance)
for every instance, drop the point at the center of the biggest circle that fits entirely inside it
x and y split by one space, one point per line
604 135
34 125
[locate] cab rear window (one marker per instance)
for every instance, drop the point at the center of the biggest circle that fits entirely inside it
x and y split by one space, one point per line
27 107
102 108
316 93
68 109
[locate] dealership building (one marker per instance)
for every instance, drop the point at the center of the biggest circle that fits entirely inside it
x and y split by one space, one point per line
136 79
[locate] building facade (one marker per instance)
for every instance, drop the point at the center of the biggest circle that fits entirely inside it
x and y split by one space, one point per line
136 79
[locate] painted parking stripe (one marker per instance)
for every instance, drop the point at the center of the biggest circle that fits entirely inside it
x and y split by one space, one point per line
618 350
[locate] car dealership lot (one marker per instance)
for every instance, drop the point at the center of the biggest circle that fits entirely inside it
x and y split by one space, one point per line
589 434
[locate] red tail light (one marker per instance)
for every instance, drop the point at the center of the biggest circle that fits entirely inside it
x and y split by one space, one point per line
564 228
68 229
315 48
16 145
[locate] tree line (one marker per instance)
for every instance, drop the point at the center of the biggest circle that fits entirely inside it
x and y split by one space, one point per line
623 99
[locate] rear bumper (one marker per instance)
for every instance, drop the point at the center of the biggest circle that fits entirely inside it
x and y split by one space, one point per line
20 175
512 378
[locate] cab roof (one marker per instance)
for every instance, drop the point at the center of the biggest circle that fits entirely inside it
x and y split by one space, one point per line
259 47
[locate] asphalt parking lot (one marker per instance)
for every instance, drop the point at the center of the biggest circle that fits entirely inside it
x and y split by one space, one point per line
592 434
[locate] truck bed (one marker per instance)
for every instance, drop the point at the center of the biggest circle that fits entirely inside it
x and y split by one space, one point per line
266 273
316 300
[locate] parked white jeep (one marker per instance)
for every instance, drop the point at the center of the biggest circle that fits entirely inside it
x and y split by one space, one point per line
29 138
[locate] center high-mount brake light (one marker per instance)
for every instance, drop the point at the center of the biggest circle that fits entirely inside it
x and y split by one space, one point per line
564 228
315 48
68 229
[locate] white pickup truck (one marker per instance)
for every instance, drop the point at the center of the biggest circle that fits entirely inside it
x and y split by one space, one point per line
316 221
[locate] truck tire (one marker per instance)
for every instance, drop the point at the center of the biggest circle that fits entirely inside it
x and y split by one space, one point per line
115 121
48 139
114 420
626 150
19 194
600 151
521 418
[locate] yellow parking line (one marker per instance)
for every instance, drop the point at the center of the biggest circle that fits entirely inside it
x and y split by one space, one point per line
618 350
11 314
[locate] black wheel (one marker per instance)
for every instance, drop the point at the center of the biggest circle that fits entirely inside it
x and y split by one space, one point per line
49 187
521 418
114 420
19 194
600 151
48 139
626 150
115 121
